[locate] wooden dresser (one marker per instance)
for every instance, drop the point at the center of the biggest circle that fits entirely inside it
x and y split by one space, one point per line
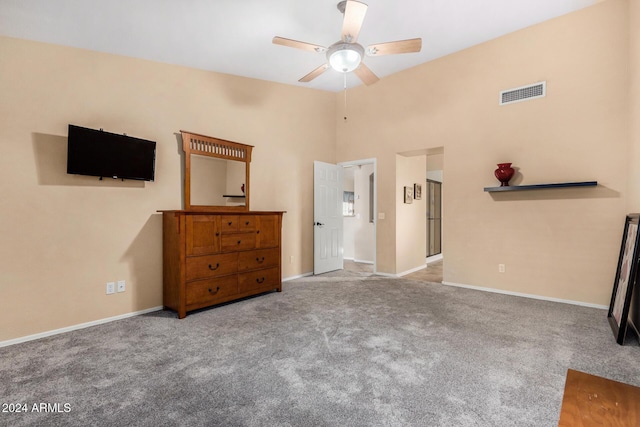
211 257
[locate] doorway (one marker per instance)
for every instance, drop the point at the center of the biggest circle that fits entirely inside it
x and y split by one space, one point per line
359 215
434 193
358 202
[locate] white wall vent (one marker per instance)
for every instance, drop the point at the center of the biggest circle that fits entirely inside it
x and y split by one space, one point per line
523 93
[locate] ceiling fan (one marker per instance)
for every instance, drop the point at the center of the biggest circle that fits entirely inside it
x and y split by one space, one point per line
346 55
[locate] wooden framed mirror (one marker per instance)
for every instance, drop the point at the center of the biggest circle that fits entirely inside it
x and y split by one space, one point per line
216 173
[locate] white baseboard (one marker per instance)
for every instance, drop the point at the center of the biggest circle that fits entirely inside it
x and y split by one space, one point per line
434 258
76 327
379 273
413 270
404 273
286 279
361 261
532 296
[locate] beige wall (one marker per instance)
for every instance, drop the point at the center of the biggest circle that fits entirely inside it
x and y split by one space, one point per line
411 227
634 106
64 237
634 125
555 243
435 162
435 167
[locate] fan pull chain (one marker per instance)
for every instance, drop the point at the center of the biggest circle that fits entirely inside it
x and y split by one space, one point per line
345 96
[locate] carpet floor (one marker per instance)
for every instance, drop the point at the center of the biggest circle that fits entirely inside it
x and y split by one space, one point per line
330 350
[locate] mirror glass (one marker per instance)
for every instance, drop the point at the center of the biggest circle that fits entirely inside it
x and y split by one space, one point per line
217 182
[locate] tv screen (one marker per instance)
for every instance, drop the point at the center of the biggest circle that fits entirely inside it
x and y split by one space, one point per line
98 153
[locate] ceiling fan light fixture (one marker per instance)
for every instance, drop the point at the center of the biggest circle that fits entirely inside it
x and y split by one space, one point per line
345 57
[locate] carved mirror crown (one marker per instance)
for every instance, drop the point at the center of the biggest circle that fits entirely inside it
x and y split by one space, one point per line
216 173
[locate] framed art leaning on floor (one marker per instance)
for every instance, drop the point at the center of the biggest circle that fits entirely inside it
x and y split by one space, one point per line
625 280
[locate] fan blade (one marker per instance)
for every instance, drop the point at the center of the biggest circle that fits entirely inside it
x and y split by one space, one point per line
315 73
365 74
401 46
298 45
353 18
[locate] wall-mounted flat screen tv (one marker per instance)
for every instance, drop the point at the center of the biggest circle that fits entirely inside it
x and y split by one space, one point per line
99 153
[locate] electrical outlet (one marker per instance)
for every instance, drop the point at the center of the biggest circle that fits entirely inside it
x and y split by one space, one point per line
291 259
501 268
121 285
111 288
380 215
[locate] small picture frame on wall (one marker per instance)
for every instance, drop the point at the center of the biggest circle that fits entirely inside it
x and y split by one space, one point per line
625 280
408 194
348 203
417 191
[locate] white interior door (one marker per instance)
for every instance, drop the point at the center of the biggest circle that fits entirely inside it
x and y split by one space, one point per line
327 218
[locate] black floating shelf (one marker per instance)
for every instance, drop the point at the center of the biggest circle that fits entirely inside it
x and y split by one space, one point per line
232 195
541 186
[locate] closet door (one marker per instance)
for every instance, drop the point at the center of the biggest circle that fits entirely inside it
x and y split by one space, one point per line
434 218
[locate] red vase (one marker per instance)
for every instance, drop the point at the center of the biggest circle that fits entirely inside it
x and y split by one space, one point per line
504 173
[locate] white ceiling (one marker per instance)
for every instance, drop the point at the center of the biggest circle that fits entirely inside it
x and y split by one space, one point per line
234 36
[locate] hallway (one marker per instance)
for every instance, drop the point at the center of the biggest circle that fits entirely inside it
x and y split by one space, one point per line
432 273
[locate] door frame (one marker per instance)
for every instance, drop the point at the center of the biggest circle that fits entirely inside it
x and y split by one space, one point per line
374 162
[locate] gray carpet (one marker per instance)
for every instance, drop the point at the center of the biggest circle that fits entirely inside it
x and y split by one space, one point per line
327 351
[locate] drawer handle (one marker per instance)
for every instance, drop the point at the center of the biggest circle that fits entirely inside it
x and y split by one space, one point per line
212 292
260 261
260 280
258 232
214 268
217 234
246 223
239 241
230 222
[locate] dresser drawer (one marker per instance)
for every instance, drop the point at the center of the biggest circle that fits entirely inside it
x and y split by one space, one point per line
258 279
247 223
258 259
208 291
229 223
238 242
202 267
